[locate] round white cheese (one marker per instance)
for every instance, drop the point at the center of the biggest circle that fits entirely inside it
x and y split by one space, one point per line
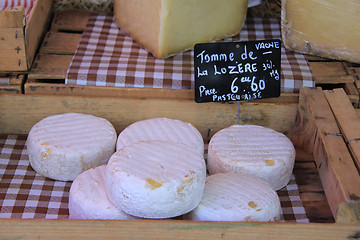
164 129
63 146
252 149
156 179
237 197
88 198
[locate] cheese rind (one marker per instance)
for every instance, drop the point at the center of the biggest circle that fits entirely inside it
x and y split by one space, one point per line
167 27
328 28
237 197
252 149
164 129
63 146
156 179
88 198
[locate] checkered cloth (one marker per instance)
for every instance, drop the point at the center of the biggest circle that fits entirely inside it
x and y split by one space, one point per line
26 194
105 56
28 4
4 81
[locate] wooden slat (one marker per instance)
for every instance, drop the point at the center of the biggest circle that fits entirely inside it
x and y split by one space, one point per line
60 43
12 17
17 79
317 132
11 89
171 229
50 66
329 73
348 121
208 117
71 21
12 50
36 27
34 87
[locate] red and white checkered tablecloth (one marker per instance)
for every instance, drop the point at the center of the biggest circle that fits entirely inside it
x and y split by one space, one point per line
4 80
105 56
26 194
28 4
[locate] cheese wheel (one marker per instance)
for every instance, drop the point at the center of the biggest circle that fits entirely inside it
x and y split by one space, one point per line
156 179
164 129
252 149
88 198
237 197
63 146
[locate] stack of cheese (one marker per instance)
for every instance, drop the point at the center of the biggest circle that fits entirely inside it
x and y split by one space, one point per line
159 171
247 164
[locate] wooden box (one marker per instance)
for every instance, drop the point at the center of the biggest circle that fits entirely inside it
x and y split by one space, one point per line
20 39
323 123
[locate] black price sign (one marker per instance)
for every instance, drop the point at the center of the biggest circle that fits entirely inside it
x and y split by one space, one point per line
237 71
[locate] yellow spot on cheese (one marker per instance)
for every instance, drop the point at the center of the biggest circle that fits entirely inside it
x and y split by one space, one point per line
270 162
181 188
46 153
153 184
252 204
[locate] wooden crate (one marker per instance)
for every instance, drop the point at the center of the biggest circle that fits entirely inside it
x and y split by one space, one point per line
329 74
314 125
19 40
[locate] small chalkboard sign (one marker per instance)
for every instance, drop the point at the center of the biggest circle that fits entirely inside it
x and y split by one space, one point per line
237 71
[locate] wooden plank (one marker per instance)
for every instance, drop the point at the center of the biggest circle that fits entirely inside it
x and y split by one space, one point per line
100 91
34 87
329 72
12 50
327 69
60 43
25 110
170 229
11 89
317 131
348 121
320 80
17 79
35 28
50 66
12 17
351 89
70 21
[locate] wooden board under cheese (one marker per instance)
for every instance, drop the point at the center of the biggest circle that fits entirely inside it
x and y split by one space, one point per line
328 28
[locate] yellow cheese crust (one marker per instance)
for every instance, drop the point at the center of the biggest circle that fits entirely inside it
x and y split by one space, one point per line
168 27
325 28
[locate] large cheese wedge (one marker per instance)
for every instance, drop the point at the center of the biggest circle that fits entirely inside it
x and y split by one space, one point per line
255 150
237 197
164 129
327 28
88 198
63 146
167 27
156 179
